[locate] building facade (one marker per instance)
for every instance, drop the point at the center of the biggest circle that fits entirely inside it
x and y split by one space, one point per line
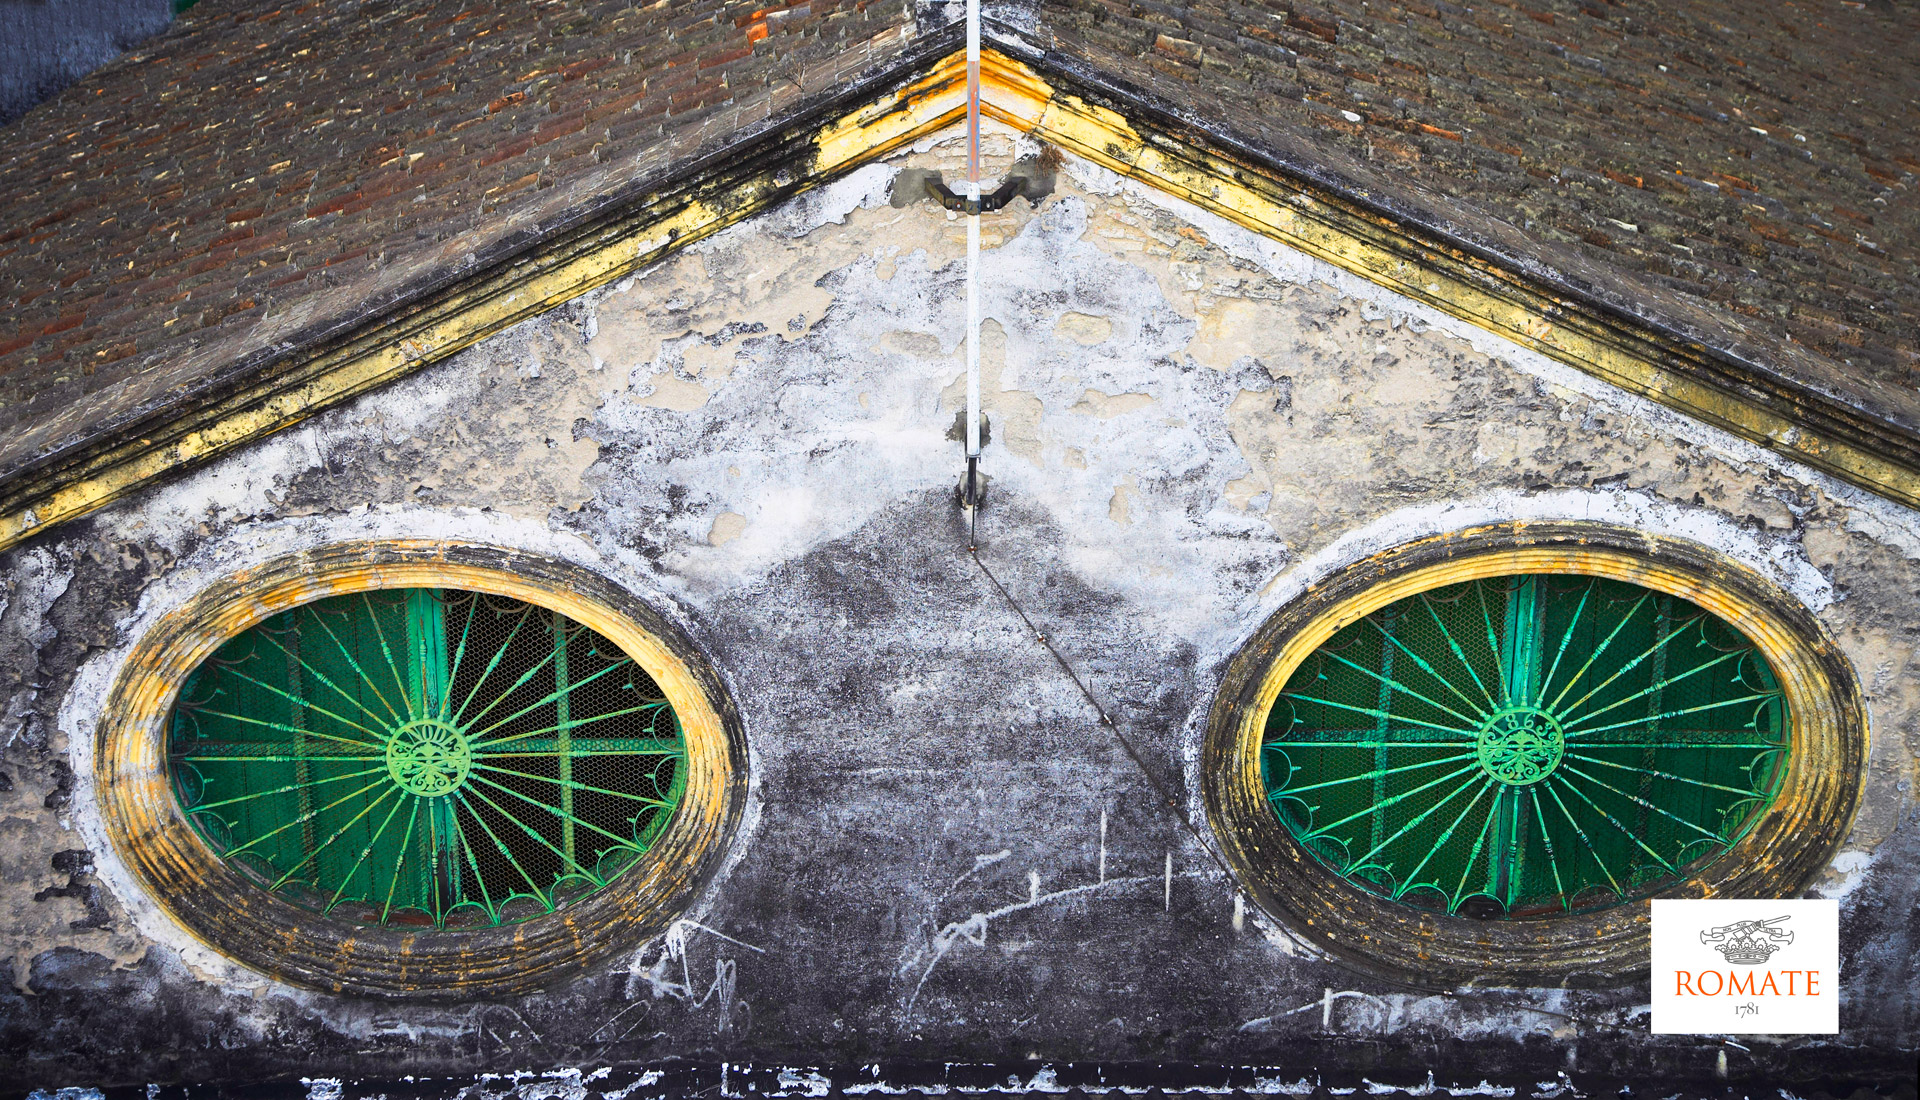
547 639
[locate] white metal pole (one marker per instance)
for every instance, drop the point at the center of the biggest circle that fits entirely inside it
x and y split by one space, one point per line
973 229
971 492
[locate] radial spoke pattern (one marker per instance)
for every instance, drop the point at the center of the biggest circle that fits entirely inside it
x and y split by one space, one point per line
1526 745
425 757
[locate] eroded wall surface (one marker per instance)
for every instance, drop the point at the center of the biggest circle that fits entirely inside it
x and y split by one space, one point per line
946 856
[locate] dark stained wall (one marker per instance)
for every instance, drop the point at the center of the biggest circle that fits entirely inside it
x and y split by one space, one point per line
948 857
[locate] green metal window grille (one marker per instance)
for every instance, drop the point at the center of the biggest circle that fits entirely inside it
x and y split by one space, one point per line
1526 745
425 757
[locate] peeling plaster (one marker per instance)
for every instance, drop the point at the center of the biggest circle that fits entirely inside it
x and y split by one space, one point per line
1189 425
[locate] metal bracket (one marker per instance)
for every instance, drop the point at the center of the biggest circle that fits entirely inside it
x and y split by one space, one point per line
1030 178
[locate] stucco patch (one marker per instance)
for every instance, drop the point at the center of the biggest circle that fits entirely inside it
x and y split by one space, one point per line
1083 328
674 393
726 527
1107 406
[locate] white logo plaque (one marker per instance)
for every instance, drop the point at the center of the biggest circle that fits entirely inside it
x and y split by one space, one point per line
1740 967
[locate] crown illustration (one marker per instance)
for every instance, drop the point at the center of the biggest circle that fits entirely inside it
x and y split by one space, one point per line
1748 942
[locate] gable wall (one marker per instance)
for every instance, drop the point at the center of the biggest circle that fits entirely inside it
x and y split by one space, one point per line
1187 425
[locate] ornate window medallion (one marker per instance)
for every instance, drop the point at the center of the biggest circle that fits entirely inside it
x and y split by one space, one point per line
414 768
1467 758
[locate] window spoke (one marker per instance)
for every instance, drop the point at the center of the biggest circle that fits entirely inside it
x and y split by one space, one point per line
575 686
399 861
347 880
1413 877
574 785
1636 799
1615 822
1546 840
353 662
1401 688
459 655
1566 638
1458 653
1473 857
325 679
1657 686
377 736
529 674
489 744
505 852
1577 732
499 653
1378 713
1658 774
198 807
1609 752
1599 652
1429 670
1493 641
1395 800
373 621
1586 842
303 818
283 727
1278 792
530 830
317 813
336 835
1415 822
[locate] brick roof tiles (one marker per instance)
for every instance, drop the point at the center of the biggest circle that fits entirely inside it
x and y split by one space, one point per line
262 167
262 171
1757 159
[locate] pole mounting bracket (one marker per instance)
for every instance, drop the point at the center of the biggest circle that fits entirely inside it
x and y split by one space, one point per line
1029 179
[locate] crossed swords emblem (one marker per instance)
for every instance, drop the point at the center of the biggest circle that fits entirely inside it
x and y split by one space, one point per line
1748 942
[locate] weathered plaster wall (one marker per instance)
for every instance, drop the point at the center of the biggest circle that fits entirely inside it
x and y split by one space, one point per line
947 858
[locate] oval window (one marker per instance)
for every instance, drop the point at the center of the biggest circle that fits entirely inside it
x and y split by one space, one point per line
426 757
419 768
1526 745
1471 758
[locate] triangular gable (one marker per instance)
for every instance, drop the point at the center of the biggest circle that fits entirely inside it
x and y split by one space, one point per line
1801 413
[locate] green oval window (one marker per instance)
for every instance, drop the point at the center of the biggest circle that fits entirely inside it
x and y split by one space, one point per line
425 757
1526 745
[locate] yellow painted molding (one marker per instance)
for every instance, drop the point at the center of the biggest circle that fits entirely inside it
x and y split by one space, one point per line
1322 225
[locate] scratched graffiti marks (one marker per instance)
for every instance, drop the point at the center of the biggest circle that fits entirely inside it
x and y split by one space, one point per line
939 937
664 971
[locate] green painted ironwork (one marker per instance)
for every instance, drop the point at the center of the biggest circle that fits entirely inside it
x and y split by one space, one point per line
1526 745
426 757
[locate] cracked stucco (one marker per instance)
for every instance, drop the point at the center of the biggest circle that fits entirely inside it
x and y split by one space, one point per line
950 859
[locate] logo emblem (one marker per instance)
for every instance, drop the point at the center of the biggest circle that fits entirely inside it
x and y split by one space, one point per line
1774 967
1748 942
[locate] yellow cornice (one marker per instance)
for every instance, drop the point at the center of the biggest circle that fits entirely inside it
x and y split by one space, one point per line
1293 212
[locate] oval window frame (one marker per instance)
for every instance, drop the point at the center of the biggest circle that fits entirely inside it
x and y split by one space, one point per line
237 918
1786 846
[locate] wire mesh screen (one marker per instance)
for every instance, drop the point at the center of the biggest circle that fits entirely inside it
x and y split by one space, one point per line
1526 745
425 757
